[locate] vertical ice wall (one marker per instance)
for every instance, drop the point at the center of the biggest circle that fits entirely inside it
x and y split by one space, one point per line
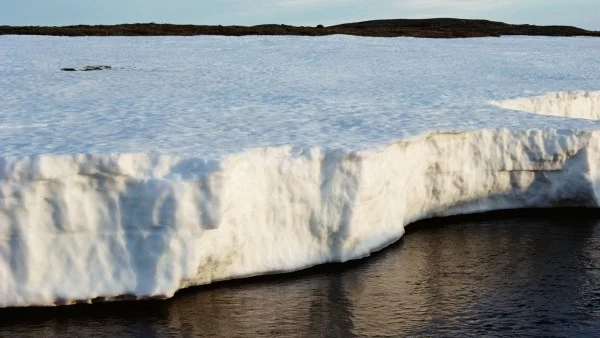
75 228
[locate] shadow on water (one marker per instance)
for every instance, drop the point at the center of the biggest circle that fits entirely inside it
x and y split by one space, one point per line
526 272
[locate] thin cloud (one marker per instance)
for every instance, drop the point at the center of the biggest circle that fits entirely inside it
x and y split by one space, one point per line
455 5
308 4
467 5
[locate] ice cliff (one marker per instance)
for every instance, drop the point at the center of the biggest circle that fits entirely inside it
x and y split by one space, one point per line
81 228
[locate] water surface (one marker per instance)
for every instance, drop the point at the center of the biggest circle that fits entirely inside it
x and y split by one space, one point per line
496 274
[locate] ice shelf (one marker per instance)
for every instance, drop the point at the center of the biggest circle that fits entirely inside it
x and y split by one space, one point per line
233 157
77 228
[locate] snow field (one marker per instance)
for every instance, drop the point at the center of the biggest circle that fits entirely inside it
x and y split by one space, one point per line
208 158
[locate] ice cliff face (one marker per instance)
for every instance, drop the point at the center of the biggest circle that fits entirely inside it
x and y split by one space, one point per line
78 228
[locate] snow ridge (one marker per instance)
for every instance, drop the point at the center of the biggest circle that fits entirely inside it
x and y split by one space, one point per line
85 227
584 105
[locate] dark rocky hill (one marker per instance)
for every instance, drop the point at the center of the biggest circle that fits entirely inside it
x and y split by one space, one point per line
426 28
486 27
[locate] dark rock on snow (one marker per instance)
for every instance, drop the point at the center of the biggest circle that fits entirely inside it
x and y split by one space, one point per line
86 68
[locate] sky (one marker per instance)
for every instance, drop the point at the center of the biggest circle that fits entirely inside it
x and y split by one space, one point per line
580 13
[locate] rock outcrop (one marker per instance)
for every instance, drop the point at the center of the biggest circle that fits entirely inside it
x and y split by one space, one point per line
86 68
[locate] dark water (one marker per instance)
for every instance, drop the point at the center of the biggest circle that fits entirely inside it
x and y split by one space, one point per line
498 275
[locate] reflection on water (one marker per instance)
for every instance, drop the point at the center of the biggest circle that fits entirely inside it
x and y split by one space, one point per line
523 275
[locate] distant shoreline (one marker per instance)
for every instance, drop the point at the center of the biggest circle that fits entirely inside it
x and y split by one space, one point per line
422 28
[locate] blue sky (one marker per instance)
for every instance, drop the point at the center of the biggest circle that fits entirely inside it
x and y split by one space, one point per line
581 13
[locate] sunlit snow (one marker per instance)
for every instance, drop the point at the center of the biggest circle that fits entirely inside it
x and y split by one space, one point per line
206 96
198 159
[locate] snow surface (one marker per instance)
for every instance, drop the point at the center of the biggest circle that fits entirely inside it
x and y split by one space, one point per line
198 159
